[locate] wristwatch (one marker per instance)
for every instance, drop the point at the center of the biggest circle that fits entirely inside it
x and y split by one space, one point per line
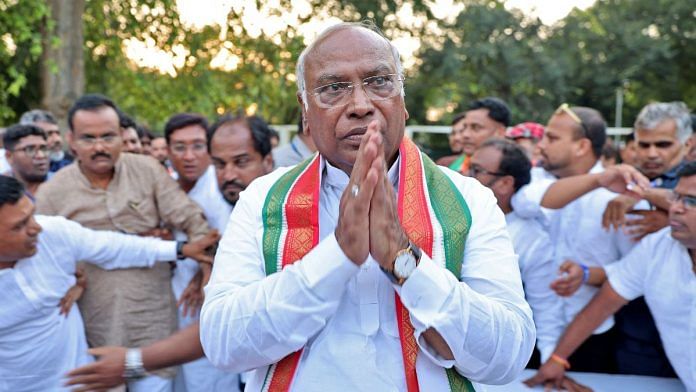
133 369
405 263
180 250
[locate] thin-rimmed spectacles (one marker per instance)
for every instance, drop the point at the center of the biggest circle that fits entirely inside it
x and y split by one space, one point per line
377 88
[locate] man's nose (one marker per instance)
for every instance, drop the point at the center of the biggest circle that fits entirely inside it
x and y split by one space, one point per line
361 105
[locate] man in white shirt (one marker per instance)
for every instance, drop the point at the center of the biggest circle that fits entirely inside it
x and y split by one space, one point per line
240 149
38 257
342 314
504 168
571 146
662 268
187 144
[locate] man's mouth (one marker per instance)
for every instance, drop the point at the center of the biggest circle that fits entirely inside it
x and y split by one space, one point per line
355 133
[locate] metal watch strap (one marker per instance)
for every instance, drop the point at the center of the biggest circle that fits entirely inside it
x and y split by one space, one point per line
133 368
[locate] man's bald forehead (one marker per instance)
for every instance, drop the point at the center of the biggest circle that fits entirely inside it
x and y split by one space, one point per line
348 28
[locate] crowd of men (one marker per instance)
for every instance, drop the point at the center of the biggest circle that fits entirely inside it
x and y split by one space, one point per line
106 242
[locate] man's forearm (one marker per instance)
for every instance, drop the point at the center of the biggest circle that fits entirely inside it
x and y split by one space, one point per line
658 198
565 190
179 348
604 304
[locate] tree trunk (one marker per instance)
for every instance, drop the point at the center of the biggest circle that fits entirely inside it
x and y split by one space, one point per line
62 65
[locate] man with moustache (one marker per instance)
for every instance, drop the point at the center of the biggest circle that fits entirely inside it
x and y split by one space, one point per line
571 146
662 136
240 148
186 136
108 190
662 268
325 280
483 119
26 151
46 121
503 166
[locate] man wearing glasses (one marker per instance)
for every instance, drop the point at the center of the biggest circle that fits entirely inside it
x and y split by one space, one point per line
337 274
571 146
130 193
662 268
27 153
187 145
504 167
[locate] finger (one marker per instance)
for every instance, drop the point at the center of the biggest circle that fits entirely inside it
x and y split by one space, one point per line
548 386
635 222
84 379
366 153
534 380
639 212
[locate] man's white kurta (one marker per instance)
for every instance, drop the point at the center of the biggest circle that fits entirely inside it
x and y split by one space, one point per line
532 245
38 345
344 315
201 375
576 234
660 268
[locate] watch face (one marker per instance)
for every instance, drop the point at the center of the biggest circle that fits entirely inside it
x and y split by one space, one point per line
404 265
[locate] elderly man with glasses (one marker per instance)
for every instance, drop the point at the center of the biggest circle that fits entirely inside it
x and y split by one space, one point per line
26 150
366 267
571 146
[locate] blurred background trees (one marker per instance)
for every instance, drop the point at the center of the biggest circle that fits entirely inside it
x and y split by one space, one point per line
470 49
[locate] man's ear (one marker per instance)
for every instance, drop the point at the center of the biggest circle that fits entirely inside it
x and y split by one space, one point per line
267 163
508 182
584 147
305 123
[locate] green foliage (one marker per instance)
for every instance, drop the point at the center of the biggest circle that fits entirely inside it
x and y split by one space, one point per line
20 50
641 46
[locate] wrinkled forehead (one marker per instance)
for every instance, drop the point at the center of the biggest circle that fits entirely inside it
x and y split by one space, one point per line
346 52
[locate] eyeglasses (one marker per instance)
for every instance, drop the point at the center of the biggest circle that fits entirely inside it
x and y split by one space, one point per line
565 108
32 150
180 148
475 170
689 201
90 141
377 88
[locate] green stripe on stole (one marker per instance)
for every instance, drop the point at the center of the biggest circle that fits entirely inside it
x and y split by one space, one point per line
272 215
454 217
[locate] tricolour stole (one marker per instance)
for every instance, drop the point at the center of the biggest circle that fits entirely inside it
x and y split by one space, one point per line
431 210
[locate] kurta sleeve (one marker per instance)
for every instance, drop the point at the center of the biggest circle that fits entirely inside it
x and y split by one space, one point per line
249 320
175 208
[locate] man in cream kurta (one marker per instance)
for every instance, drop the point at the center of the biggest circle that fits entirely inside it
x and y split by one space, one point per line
108 190
336 302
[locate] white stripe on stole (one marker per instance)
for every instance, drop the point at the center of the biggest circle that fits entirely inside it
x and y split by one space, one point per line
438 240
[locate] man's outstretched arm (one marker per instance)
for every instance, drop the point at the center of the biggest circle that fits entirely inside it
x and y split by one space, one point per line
107 372
604 304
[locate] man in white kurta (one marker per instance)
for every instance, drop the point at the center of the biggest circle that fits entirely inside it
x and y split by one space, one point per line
336 301
200 375
39 345
662 268
503 167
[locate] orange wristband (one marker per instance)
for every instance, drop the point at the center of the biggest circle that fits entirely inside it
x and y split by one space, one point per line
561 361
